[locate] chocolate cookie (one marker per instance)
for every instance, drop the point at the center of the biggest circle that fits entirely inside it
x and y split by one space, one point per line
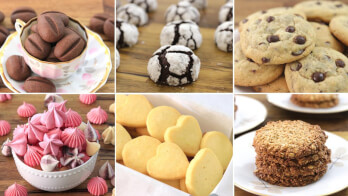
69 47
109 28
248 73
126 34
50 27
36 84
3 35
17 68
63 17
182 11
174 66
23 13
277 38
147 5
323 70
224 36
2 16
133 14
37 47
97 22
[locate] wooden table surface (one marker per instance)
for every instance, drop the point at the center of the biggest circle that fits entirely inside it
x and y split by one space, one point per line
216 66
8 170
80 10
334 123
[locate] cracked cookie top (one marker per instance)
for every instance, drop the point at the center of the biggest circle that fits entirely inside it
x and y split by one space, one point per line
224 36
133 14
182 11
126 34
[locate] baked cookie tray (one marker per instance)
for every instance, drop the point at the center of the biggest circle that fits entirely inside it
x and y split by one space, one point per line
209 120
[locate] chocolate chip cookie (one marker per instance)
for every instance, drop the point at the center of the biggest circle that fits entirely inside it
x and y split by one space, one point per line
277 38
324 70
249 73
339 27
269 11
325 38
277 86
322 11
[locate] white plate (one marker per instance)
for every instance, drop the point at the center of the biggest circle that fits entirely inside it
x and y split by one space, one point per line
250 113
333 181
283 101
90 76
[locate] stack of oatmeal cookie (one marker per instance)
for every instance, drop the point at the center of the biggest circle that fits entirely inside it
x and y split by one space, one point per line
291 153
297 49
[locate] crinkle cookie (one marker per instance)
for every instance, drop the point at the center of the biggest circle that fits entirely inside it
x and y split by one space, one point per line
226 12
133 14
277 38
224 36
184 33
248 73
118 4
147 5
182 11
325 38
199 4
322 11
118 60
323 70
174 66
339 27
269 11
277 86
126 34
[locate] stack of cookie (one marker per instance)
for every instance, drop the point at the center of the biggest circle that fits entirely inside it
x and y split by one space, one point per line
282 37
315 100
291 153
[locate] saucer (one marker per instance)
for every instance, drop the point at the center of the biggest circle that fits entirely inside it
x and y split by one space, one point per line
88 78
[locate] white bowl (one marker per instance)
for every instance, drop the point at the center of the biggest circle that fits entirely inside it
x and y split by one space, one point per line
55 181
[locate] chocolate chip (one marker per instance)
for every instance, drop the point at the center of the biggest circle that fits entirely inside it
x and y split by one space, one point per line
339 5
328 57
265 60
297 68
318 77
250 60
245 21
297 53
318 28
340 63
318 3
300 39
263 12
327 42
290 29
273 38
270 19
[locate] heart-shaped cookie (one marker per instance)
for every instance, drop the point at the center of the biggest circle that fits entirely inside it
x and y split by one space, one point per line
132 110
186 133
159 119
170 162
138 151
204 173
123 137
220 145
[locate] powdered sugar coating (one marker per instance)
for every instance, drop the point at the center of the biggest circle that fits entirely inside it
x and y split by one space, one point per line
224 36
226 12
199 4
147 5
126 34
118 60
184 33
174 66
182 11
133 14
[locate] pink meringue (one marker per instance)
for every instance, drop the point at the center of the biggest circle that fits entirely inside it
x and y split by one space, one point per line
73 158
35 132
48 163
19 144
51 144
36 119
20 129
5 97
113 180
59 106
73 137
90 133
56 131
52 98
6 150
5 127
73 119
33 156
53 118
16 190
97 186
106 171
97 116
26 110
88 99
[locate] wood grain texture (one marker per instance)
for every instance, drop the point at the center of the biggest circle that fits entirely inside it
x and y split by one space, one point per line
216 66
80 10
335 123
8 171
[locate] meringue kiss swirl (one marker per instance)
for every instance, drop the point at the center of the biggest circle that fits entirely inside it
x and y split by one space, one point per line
73 137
